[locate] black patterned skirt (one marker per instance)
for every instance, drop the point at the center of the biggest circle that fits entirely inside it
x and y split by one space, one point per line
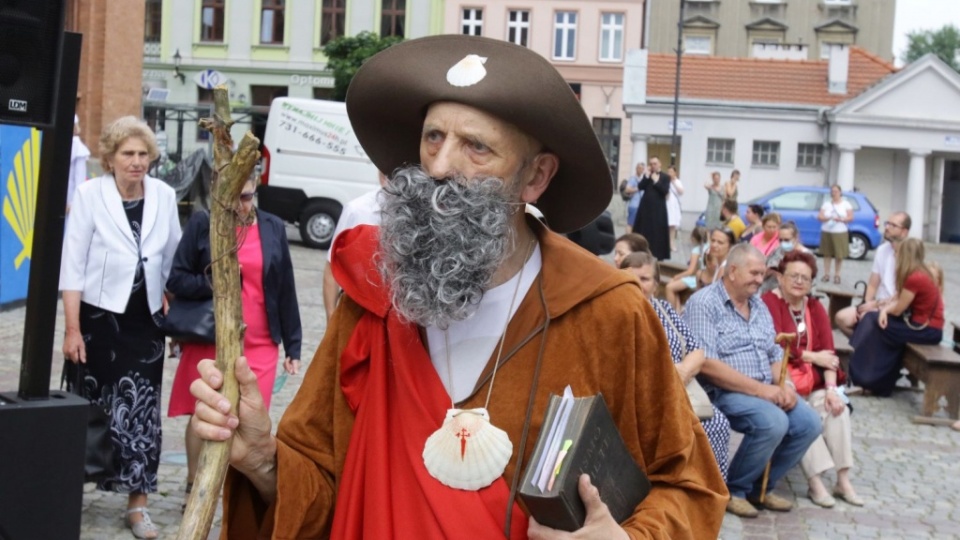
124 373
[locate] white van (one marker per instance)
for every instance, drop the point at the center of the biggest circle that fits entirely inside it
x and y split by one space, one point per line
312 166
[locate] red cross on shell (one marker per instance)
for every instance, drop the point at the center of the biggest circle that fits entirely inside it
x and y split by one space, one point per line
467 452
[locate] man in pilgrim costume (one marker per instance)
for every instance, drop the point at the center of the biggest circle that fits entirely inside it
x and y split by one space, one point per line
461 315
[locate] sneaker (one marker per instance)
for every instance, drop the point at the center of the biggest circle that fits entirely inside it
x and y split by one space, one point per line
774 502
853 390
740 507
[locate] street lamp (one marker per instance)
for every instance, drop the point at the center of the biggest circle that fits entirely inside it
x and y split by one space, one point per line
676 90
176 68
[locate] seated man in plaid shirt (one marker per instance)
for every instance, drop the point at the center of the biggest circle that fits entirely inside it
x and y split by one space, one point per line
740 374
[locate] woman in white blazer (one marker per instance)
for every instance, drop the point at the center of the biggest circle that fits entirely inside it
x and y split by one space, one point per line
120 241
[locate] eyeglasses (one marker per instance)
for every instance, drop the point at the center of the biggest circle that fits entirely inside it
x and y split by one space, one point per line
246 197
798 278
892 224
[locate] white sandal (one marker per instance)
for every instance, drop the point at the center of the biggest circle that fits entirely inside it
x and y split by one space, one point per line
143 528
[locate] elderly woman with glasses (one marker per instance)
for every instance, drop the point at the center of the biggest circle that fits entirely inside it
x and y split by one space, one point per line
269 298
815 372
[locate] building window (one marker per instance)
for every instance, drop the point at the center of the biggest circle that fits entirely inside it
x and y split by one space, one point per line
720 151
392 17
152 21
211 20
518 26
809 156
611 37
766 153
332 20
472 22
271 22
565 35
263 96
697 45
323 93
608 133
204 97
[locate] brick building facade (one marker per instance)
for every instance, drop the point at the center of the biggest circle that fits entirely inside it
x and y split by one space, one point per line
111 62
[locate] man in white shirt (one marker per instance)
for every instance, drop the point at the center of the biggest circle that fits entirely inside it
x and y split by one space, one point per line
364 210
882 285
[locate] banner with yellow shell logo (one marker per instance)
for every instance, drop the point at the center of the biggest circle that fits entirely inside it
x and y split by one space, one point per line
19 168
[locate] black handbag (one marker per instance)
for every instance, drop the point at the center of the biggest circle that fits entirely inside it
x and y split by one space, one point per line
190 321
623 189
98 463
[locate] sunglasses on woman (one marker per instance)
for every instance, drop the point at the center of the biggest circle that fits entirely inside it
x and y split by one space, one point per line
246 197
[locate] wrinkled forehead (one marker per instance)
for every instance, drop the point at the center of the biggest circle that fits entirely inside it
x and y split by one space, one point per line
444 114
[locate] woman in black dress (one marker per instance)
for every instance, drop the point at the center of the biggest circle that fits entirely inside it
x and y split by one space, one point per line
121 236
651 220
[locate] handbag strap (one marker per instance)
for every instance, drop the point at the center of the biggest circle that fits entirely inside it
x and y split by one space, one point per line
926 323
666 316
808 320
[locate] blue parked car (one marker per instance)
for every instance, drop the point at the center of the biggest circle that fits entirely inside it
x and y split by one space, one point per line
801 204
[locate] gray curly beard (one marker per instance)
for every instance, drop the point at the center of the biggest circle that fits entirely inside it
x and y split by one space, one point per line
441 242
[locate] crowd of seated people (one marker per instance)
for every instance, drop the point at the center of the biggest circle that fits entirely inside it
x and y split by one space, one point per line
748 292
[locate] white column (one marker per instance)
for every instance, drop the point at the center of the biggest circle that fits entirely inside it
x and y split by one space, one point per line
846 169
916 185
639 153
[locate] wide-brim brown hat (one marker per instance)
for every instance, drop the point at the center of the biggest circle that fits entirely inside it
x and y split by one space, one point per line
388 99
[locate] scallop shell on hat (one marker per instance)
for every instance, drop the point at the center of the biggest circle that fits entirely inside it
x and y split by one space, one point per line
468 71
467 452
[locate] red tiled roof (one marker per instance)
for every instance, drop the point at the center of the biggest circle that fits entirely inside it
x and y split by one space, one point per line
802 82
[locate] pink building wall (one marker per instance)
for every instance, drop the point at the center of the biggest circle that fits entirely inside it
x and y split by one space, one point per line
601 81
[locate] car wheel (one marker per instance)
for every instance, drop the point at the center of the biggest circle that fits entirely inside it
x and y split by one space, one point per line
318 221
859 245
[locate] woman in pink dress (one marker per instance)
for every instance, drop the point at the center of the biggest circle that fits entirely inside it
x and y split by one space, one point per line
270 309
768 240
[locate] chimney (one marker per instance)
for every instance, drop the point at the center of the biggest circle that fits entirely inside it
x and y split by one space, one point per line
839 68
635 77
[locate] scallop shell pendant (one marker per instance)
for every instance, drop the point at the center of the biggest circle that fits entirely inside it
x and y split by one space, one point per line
468 71
467 452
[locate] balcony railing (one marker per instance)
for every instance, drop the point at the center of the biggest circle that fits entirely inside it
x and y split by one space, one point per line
151 50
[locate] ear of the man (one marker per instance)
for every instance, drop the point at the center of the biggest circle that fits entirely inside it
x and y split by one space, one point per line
544 168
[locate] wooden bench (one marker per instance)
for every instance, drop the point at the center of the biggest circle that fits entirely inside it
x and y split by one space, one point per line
939 369
837 299
841 346
956 336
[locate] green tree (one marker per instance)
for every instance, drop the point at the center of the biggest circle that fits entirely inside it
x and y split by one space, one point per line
346 54
945 43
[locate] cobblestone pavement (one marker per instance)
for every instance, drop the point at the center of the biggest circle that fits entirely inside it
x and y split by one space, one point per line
906 472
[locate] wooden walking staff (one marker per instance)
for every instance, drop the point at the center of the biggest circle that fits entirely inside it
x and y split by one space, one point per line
231 172
784 340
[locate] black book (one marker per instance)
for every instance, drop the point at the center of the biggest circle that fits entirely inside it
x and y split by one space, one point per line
594 447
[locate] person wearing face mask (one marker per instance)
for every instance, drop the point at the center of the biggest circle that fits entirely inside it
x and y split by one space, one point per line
789 242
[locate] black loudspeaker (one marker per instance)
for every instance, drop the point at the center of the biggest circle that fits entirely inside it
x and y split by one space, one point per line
41 466
30 34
